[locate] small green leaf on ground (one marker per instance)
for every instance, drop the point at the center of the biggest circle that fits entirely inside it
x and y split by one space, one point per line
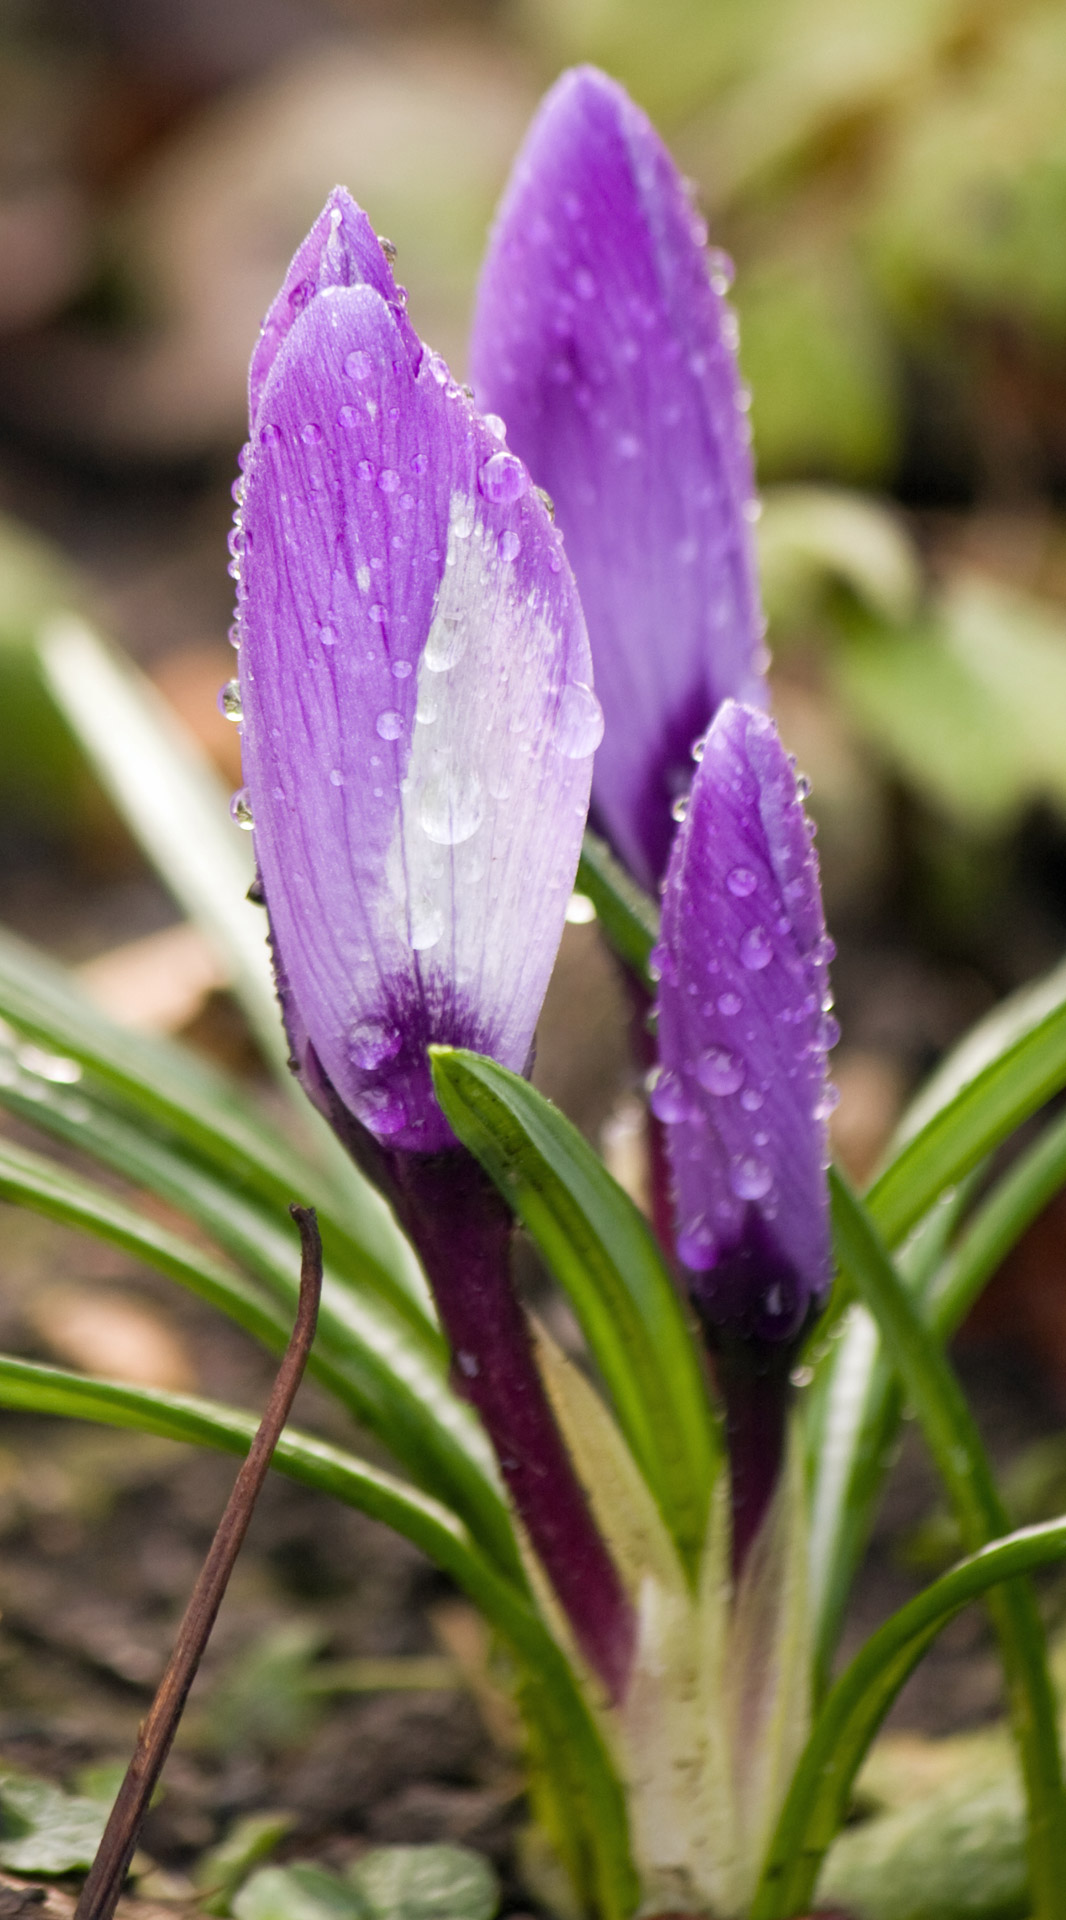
43 1829
425 1883
296 1893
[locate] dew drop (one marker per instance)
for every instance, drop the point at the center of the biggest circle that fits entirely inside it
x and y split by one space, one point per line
750 1178
696 1244
679 808
495 426
829 1032
327 636
373 1042
357 365
774 1300
584 284
336 777
729 1004
388 480
720 1072
240 810
510 544
310 432
378 614
380 1109
667 1097
233 635
229 702
446 642
503 478
578 722
828 1101
452 807
756 949
751 1099
662 965
741 881
752 511
469 1364
427 925
401 669
389 724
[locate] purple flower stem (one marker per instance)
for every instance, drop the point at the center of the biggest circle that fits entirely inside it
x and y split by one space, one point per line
754 1385
462 1230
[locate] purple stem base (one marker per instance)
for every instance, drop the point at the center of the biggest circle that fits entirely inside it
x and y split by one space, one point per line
462 1230
755 1389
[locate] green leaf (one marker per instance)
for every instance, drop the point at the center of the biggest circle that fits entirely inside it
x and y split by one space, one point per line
223 1868
602 1252
955 1125
300 1892
953 1440
630 920
817 1801
389 1376
814 537
43 1829
425 1883
550 1691
202 1108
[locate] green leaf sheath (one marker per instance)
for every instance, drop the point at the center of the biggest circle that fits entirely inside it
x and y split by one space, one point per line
955 1444
392 1380
629 918
817 1800
202 1109
598 1804
603 1254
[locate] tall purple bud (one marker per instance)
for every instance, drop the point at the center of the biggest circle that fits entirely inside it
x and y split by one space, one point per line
743 1034
419 724
603 337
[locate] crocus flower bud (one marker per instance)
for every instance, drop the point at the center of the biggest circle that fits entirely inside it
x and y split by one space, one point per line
744 1028
603 338
415 688
419 724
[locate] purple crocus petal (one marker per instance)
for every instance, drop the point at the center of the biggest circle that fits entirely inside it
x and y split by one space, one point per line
743 1032
341 250
602 337
418 716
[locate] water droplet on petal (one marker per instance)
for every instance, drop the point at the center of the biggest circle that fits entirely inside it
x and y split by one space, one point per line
774 1300
578 722
696 1244
729 1004
829 1033
327 636
495 426
373 1042
756 949
749 1177
752 511
229 702
240 810
357 365
662 965
310 432
667 1097
751 1099
380 1109
741 881
510 544
452 808
427 925
503 478
336 777
828 1101
720 1072
389 724
584 284
388 480
446 642
401 669
679 808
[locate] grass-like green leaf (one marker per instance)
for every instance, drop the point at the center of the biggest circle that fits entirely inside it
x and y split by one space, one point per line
955 1444
630 920
603 1254
390 1376
856 1706
1000 1075
202 1109
550 1689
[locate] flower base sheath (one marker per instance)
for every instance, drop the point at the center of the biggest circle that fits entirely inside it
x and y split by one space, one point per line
418 730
